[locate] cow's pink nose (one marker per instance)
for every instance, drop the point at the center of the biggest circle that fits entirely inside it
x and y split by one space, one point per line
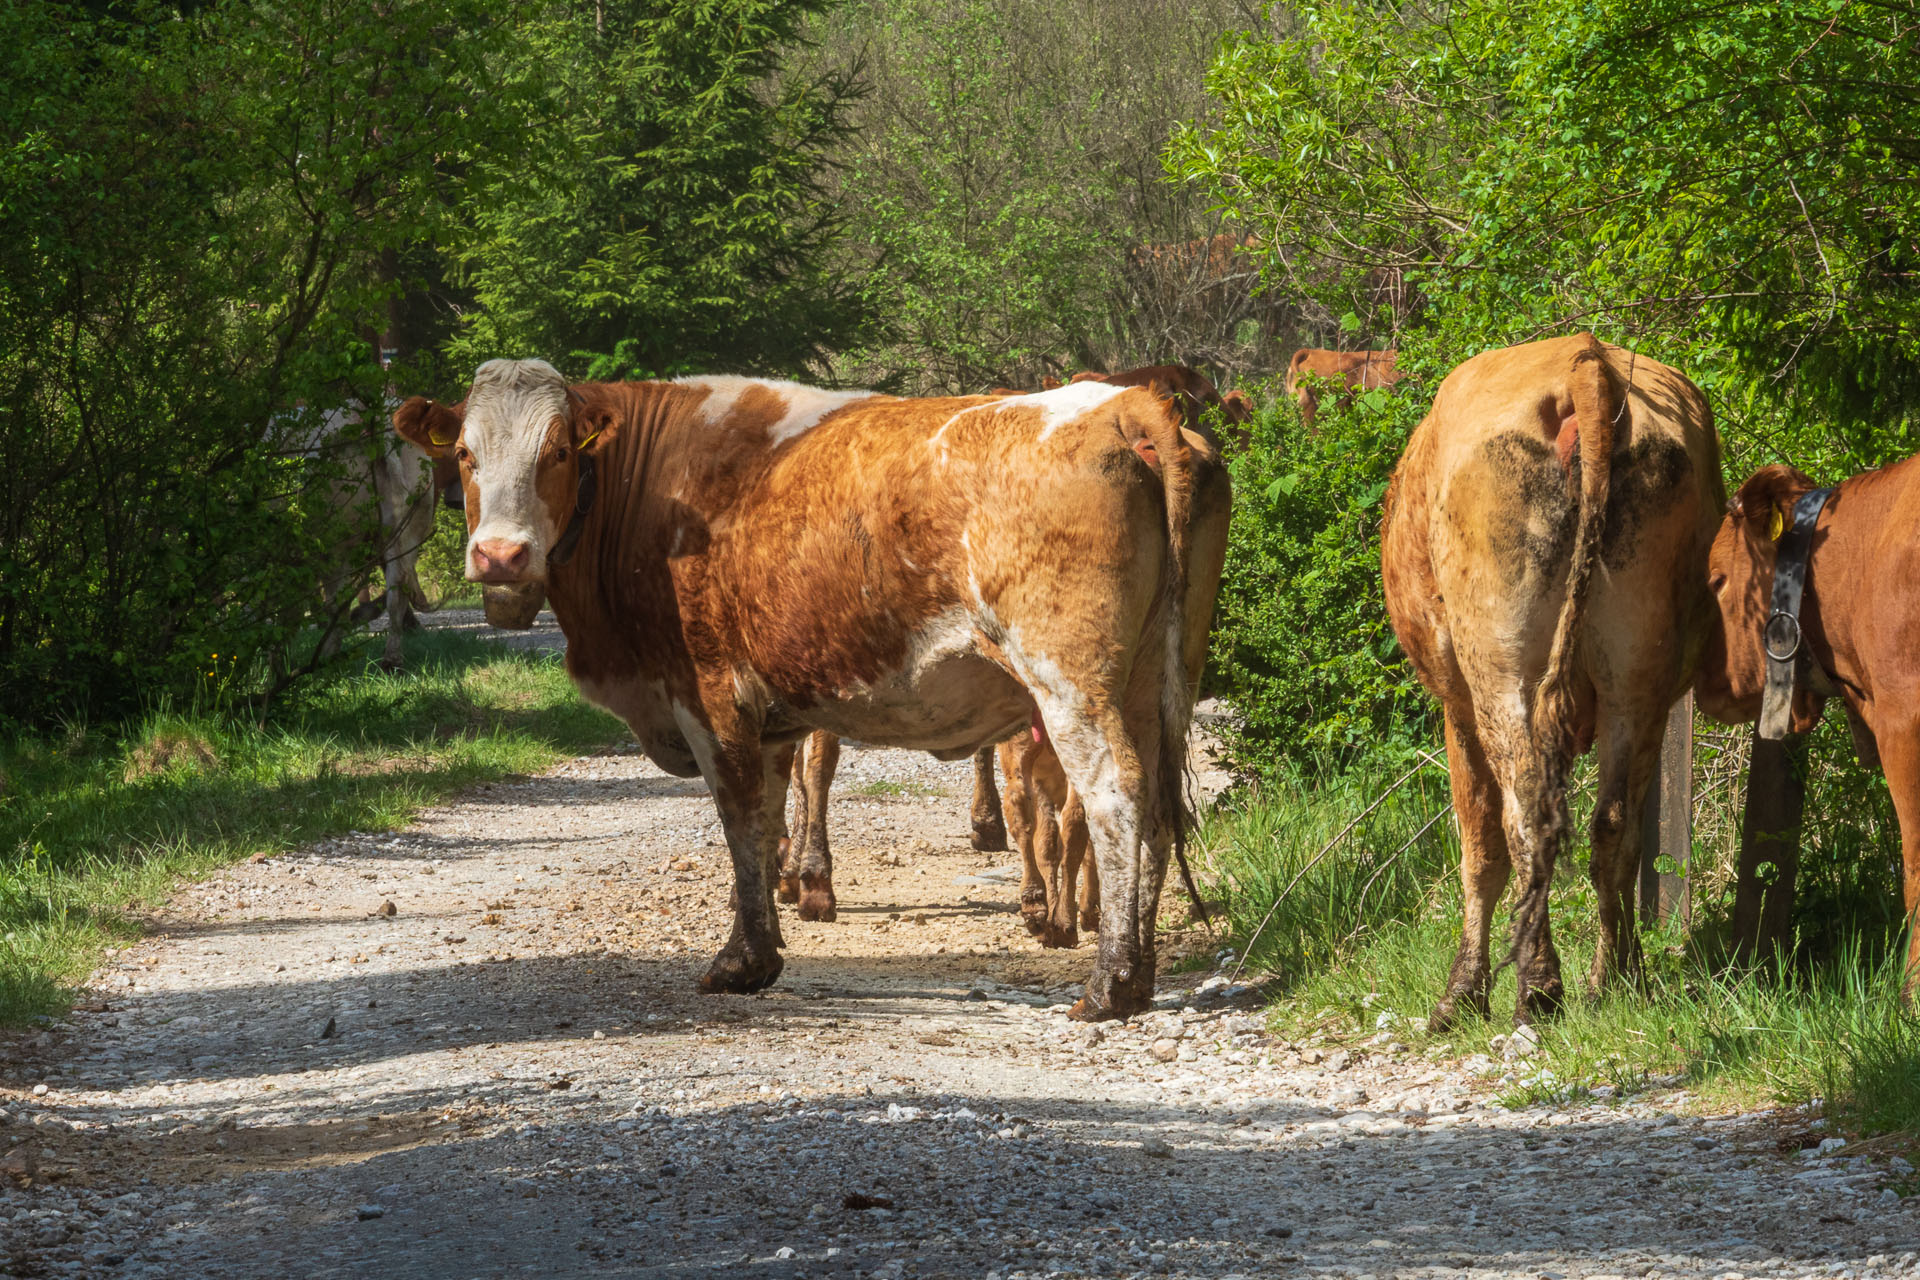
499 560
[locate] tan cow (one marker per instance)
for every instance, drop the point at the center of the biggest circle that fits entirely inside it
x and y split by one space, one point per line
1357 371
1544 554
1859 618
736 562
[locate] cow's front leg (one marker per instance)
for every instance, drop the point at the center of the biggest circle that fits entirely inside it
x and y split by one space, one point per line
989 823
747 790
815 859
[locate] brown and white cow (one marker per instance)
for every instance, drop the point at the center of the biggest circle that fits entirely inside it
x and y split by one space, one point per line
1859 622
806 867
1544 554
752 560
1357 371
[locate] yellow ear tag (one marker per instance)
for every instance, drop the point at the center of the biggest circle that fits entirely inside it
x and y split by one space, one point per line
439 443
1776 526
589 440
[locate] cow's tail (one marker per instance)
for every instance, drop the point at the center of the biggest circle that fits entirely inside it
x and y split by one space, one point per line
1598 405
1177 691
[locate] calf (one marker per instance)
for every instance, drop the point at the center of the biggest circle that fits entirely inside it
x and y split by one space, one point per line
1049 826
736 562
1859 619
1544 556
1355 370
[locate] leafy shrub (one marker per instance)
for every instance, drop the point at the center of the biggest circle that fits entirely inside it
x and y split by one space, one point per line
1302 647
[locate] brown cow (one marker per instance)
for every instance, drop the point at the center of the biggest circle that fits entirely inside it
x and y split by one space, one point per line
1049 826
806 860
1191 391
1544 554
1355 370
1858 619
737 561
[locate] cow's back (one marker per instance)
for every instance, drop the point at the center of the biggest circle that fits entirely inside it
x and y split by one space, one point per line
1481 522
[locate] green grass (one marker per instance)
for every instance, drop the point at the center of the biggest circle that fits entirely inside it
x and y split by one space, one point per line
1831 1028
877 788
95 825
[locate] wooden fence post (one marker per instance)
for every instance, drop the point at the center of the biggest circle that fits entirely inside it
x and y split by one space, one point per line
1769 836
1666 823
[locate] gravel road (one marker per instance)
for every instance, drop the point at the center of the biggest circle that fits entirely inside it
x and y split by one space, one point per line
474 1049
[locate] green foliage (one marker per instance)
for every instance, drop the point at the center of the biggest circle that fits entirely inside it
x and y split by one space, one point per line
95 824
1739 184
1003 194
188 210
1301 645
1314 867
669 214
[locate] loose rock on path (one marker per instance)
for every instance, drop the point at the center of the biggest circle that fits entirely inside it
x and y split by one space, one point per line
509 1073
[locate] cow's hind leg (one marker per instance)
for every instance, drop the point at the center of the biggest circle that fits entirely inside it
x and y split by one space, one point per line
989 823
1536 827
1896 731
1022 814
1629 751
1484 870
815 860
790 853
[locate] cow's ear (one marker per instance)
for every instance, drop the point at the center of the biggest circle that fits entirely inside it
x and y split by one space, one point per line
430 426
592 428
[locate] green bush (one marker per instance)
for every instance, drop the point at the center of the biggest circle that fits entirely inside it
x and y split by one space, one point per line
1302 648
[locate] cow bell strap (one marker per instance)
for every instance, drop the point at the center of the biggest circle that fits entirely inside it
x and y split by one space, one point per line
582 503
1782 638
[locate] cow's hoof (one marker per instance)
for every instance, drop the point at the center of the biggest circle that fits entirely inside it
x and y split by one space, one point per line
1454 1006
789 890
990 837
1090 920
1108 997
1052 935
816 904
1539 1004
741 973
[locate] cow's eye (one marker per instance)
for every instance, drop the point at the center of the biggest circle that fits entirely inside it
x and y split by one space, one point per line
463 456
1717 583
561 454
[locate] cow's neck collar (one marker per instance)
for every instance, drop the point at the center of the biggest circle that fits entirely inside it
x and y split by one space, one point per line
1781 638
582 504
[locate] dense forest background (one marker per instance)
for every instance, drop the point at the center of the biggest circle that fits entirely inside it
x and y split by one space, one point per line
221 221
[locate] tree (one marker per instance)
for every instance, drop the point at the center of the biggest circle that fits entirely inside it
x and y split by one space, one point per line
664 211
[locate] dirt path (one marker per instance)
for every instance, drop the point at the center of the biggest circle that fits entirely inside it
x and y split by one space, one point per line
511 1075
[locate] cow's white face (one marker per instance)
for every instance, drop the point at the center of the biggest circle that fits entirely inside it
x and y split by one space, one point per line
518 462
516 459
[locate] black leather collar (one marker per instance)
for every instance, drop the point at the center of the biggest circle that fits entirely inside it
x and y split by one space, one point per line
1781 637
582 503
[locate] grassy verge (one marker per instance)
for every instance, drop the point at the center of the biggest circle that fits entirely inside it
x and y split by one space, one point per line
95 824
1360 948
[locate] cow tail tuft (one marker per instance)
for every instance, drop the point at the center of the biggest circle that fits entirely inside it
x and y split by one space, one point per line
1599 404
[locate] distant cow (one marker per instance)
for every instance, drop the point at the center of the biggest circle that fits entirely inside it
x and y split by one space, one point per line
736 562
1859 618
388 497
1191 391
1544 554
1355 370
